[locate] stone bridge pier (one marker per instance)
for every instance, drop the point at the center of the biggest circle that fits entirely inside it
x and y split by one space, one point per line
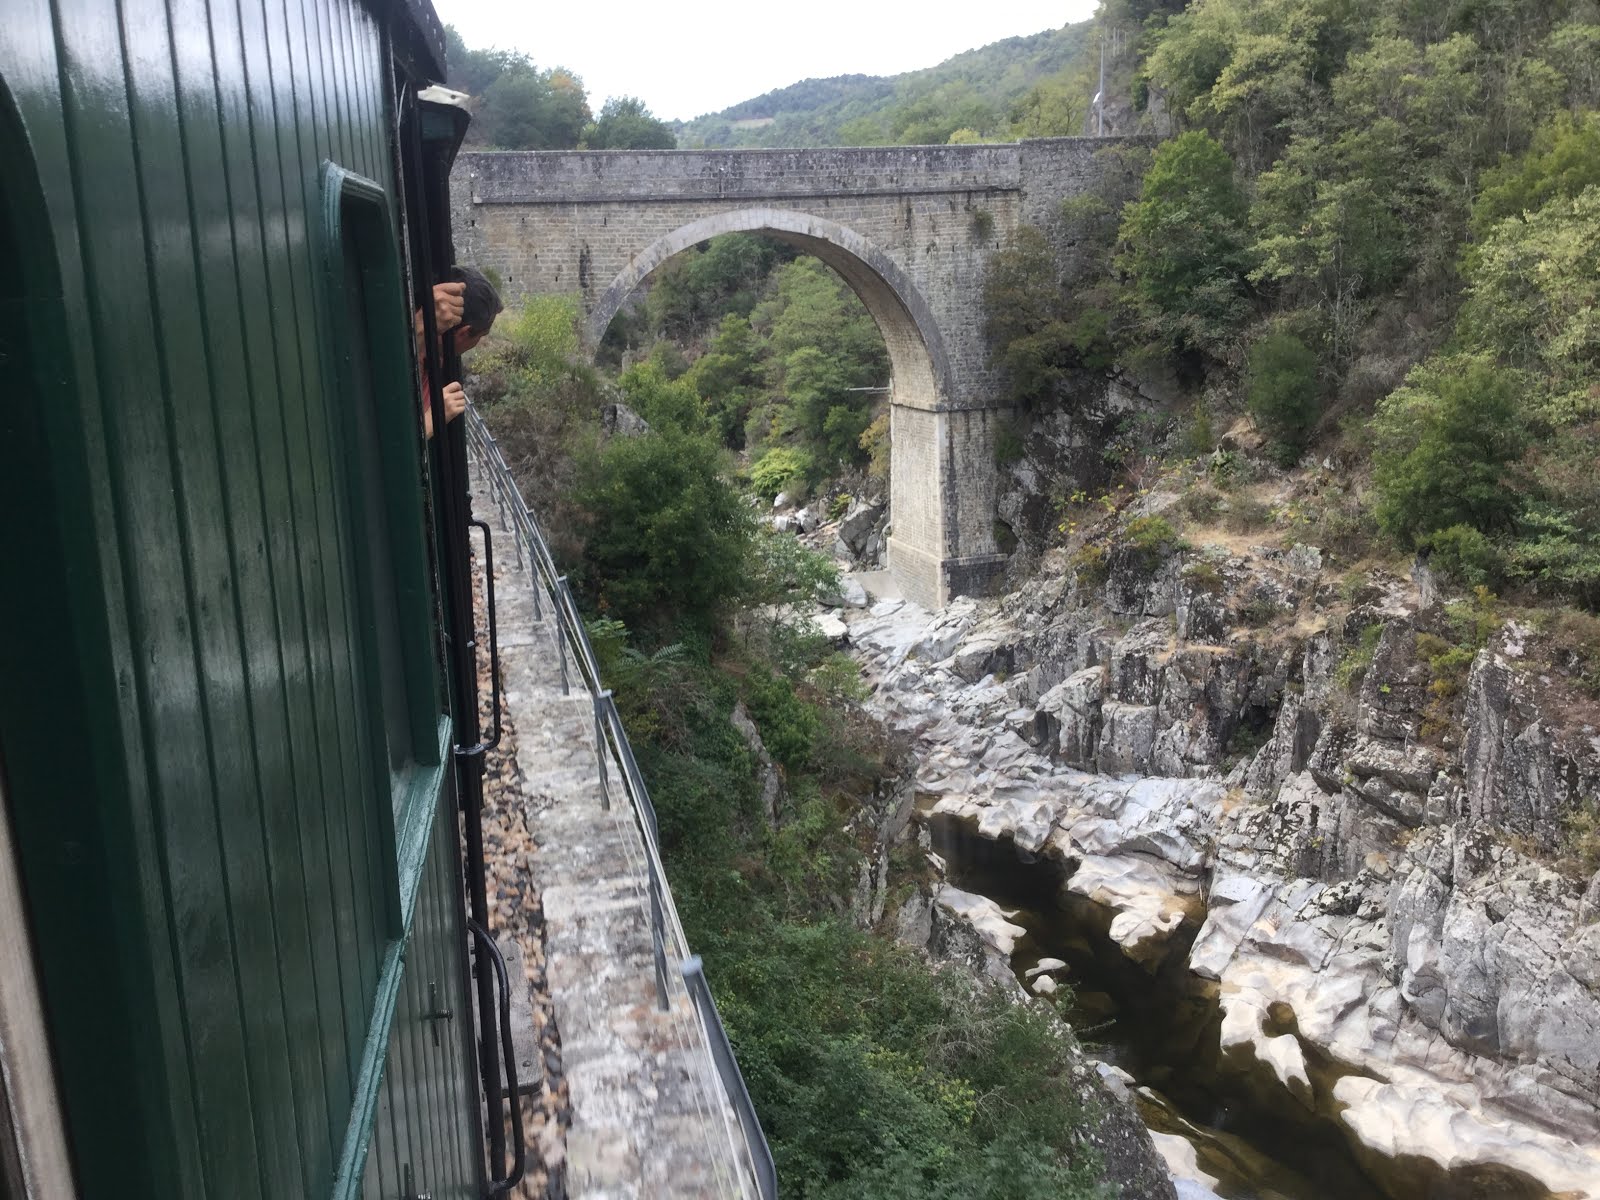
910 228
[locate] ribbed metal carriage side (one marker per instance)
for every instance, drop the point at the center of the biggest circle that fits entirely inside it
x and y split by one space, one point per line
239 952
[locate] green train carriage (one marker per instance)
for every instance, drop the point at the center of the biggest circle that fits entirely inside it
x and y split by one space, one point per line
235 951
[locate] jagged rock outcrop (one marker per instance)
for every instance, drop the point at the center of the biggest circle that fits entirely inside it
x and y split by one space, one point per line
1356 880
956 926
766 769
618 420
1522 771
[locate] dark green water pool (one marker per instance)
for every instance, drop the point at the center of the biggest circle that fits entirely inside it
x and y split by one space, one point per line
1161 1028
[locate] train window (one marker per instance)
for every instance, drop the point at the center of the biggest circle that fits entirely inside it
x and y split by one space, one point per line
363 406
378 427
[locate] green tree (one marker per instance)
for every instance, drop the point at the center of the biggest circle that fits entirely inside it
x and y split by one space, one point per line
1446 446
1563 161
626 124
824 355
1054 107
472 71
567 109
1244 68
729 375
929 116
664 403
665 532
524 109
1040 333
1185 247
1281 390
703 284
1533 300
812 307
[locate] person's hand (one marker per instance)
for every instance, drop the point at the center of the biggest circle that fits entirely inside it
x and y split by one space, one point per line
455 401
449 299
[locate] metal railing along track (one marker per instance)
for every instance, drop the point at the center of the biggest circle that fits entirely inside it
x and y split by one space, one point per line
611 742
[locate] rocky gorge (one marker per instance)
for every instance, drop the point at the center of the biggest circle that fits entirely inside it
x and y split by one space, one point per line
1351 880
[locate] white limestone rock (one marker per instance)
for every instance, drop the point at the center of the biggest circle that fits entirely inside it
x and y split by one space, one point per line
1128 735
1390 1121
849 593
1071 711
990 920
1183 1164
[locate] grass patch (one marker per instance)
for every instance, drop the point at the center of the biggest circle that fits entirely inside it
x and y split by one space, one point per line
1357 660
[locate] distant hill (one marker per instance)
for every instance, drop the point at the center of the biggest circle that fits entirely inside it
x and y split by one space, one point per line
976 91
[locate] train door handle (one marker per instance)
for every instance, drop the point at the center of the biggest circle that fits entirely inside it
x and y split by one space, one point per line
433 1016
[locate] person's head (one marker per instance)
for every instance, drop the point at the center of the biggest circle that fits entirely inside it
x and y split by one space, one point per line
481 305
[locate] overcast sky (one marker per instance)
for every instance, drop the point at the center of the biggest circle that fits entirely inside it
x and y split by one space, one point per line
699 56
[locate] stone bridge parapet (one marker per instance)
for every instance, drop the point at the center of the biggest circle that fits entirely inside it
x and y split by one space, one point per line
910 228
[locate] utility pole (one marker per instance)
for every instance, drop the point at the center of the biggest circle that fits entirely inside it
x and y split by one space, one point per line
1100 96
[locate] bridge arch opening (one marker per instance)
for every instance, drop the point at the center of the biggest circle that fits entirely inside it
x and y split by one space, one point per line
918 364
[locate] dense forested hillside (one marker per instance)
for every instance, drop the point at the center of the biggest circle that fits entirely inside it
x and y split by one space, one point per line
1024 86
1374 229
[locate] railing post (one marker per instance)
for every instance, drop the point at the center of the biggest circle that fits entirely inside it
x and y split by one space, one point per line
559 595
600 751
523 520
658 937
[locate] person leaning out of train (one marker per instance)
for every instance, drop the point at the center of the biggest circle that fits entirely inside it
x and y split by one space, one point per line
465 309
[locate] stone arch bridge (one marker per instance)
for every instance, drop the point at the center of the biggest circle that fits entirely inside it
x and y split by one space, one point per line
910 228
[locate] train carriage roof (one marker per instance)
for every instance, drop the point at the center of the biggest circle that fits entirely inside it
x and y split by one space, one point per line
426 48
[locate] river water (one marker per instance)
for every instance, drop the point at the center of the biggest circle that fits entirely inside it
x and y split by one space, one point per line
1160 1027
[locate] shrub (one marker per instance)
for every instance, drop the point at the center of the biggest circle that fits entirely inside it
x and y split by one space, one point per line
779 468
546 328
1555 553
1446 443
1575 644
1041 334
783 570
1448 666
1246 514
1564 159
1352 668
666 536
1200 438
789 725
664 402
1152 538
1581 842
840 506
1259 608
1202 504
1203 576
1091 566
1008 447
1463 555
1281 391
1185 239
875 441
1470 624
